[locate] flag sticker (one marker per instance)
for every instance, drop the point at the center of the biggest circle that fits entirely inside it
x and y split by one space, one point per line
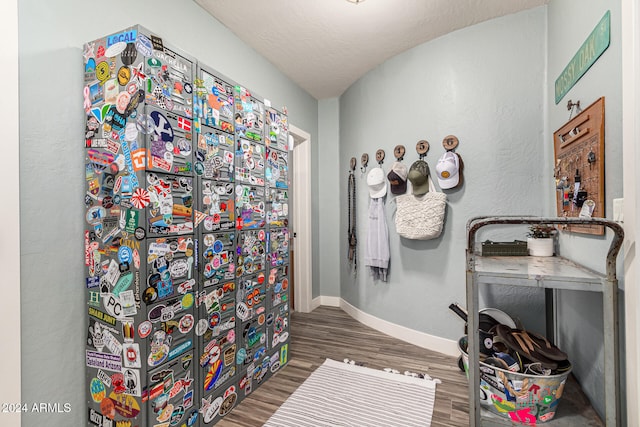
184 124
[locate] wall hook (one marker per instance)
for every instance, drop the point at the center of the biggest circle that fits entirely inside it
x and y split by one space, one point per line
398 152
352 164
380 156
422 147
364 161
571 105
450 142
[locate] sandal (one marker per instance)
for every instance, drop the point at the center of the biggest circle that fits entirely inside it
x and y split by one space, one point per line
531 346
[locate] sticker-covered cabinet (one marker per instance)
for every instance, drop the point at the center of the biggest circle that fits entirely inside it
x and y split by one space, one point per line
186 236
140 243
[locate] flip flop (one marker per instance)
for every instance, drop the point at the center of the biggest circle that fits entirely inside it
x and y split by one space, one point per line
531 346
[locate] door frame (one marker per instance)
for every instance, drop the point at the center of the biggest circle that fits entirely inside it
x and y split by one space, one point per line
303 264
631 179
10 369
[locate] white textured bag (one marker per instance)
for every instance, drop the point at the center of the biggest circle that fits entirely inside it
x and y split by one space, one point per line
421 218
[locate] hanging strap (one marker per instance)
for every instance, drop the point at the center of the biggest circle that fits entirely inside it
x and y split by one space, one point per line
351 228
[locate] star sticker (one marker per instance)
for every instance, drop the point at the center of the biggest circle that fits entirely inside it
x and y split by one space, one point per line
138 75
186 381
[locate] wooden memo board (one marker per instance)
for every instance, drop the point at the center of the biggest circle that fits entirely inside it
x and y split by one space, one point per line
579 147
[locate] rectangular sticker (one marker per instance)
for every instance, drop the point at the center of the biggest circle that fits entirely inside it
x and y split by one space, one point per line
108 362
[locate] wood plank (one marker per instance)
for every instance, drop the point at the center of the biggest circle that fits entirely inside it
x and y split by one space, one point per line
328 332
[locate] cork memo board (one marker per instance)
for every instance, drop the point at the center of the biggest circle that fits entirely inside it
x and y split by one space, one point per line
579 162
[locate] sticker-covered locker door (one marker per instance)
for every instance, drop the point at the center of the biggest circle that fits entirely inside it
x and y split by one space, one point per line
169 204
169 78
214 101
169 141
277 131
171 393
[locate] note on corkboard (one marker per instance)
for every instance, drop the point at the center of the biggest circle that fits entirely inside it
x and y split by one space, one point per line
579 167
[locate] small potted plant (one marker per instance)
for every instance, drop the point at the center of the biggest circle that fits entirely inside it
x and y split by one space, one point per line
540 239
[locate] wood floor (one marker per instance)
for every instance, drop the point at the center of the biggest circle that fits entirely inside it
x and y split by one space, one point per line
329 332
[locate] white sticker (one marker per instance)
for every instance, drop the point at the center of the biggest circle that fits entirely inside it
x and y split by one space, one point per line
111 343
131 355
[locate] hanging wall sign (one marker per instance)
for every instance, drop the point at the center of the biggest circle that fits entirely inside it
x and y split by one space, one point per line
589 52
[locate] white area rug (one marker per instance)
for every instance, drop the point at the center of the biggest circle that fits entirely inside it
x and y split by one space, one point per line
338 394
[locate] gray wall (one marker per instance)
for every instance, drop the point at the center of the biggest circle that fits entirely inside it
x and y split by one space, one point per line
580 321
486 85
330 183
51 36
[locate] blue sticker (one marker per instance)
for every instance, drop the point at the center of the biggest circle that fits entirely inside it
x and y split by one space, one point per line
125 254
241 356
163 127
92 282
125 36
217 246
90 66
144 46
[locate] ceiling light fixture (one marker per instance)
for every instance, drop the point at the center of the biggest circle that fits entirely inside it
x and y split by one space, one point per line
355 1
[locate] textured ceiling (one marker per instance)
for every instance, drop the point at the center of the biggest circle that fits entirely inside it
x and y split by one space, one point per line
326 45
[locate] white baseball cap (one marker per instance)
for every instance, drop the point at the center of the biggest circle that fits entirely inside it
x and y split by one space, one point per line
376 182
447 170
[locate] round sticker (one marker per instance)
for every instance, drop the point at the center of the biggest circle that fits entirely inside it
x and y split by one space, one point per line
187 301
102 71
261 235
186 323
218 246
149 295
144 329
122 100
140 233
208 240
124 75
145 124
201 327
130 131
214 320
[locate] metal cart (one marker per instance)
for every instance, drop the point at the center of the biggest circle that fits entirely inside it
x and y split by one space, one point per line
549 273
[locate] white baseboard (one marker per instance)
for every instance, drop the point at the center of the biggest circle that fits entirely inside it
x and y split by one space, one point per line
430 342
325 300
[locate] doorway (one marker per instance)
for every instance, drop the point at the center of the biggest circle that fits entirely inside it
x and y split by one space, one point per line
301 251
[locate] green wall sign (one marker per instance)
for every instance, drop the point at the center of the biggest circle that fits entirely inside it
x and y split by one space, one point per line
589 52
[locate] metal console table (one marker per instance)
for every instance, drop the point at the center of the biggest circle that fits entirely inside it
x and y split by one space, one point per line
549 273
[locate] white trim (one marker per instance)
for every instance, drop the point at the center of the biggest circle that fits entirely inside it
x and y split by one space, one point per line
302 219
327 301
631 179
441 345
10 391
